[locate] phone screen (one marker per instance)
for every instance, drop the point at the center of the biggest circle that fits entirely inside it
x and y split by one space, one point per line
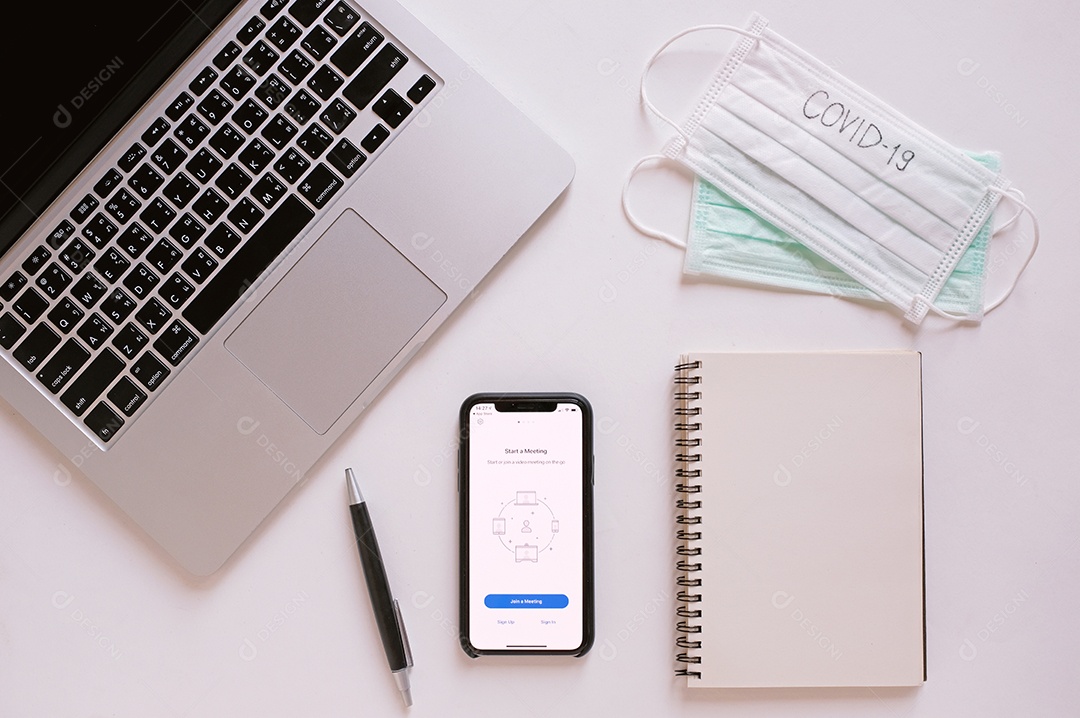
526 552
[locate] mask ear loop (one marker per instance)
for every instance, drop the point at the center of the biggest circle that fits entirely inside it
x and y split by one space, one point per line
647 231
1018 198
637 224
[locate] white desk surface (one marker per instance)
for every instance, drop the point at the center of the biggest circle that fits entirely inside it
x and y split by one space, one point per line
94 621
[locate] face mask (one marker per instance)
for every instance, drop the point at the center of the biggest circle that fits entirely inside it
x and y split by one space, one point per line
727 240
877 197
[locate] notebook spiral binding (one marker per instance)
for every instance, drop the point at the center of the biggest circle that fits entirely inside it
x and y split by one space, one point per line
687 456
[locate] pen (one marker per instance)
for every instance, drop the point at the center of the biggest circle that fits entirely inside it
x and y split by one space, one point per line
387 611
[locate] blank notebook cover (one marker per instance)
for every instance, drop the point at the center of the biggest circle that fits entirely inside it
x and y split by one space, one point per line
800 519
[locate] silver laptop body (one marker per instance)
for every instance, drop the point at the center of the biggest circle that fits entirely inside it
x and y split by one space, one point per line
251 404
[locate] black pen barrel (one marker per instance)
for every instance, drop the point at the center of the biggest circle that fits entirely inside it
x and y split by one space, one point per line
382 602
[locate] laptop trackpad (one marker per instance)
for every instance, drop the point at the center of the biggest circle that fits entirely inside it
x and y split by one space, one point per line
334 322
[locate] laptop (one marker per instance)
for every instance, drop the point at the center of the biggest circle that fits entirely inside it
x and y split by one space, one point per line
226 226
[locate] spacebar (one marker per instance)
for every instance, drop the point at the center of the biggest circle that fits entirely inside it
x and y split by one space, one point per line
234 279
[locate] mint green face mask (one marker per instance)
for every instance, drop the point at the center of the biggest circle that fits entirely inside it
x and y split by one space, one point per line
727 240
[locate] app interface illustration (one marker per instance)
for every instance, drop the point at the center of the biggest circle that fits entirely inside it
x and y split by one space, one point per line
525 528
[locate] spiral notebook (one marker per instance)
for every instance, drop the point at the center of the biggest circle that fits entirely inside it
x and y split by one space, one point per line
800 522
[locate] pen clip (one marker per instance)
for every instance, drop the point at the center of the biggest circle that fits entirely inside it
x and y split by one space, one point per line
404 635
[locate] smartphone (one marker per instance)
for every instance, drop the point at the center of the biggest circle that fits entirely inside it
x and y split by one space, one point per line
526 478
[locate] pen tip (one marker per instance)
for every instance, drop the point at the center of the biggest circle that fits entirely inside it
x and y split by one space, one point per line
355 496
407 696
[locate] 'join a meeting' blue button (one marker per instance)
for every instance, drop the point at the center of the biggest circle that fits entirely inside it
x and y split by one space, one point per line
526 600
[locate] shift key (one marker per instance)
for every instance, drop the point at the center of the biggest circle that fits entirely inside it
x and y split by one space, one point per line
373 78
95 379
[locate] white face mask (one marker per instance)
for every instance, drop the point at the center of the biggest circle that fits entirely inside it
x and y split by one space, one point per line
841 172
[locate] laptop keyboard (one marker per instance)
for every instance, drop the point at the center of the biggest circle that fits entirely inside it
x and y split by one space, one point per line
175 232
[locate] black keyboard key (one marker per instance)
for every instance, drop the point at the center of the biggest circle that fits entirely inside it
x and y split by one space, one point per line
11 330
191 132
169 156
130 341
61 234
150 371
37 259
36 347
98 375
272 7
314 141
65 315
237 82
204 165
83 209
141 281
157 215
131 158
279 131
245 215
176 290
123 206
250 31
250 116
268 190
296 67
421 89
222 240
345 158
320 186
135 240
112 266
76 256
154 133
179 106
30 306
256 156
126 397
95 331
392 108
199 265
250 261
100 230
63 366
308 11
338 116
283 33
341 18
233 181
319 42
370 81
53 281
187 230
181 190
261 58
291 166
107 183
203 81
227 140
273 91
12 286
145 181
164 256
153 316
95 379
227 54
210 206
375 138
302 107
356 49
214 107
325 82
117 306
176 343
89 290
104 422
